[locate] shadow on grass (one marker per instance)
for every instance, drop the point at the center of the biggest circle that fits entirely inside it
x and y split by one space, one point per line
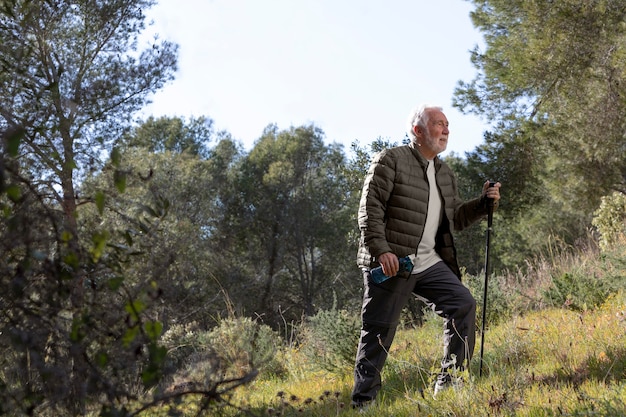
607 366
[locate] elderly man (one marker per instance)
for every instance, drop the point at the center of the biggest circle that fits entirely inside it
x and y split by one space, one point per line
409 207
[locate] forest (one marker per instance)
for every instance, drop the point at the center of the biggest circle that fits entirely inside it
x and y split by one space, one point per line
134 250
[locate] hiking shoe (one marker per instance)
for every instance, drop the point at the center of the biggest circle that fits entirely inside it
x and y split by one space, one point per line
362 406
444 382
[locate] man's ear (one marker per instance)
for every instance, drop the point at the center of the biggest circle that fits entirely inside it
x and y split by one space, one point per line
417 130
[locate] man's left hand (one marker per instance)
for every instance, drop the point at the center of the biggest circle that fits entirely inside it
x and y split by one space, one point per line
492 192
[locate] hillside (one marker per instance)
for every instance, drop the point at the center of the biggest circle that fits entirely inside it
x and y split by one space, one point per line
545 363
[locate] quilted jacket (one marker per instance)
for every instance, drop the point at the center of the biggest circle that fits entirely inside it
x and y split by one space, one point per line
394 203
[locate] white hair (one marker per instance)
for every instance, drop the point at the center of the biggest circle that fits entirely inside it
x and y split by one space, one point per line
419 117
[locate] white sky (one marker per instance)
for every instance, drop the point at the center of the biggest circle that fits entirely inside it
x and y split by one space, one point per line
354 68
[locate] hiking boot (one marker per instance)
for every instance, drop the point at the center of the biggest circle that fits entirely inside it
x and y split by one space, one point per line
444 382
362 406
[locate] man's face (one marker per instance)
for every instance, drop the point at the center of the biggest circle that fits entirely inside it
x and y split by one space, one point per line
434 138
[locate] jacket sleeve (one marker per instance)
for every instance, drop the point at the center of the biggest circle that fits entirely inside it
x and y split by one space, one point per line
377 188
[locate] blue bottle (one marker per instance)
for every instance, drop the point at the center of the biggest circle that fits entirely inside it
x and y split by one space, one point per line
406 266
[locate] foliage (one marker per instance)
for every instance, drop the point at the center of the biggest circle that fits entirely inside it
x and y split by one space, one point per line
610 220
551 82
76 336
549 362
234 348
583 284
113 329
330 339
578 291
243 344
189 189
499 300
291 220
173 134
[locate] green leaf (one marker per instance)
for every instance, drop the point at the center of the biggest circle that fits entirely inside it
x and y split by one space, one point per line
100 201
115 283
130 335
13 141
14 193
119 178
153 329
116 157
151 374
71 259
99 240
102 359
135 308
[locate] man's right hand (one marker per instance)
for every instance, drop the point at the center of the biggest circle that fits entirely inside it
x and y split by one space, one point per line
390 264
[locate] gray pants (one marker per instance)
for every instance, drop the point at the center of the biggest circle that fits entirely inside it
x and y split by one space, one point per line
442 290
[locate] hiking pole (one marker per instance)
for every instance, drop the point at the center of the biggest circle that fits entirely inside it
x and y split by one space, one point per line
489 225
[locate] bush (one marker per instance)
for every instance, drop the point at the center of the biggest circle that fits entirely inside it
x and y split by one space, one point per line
243 344
587 286
577 291
610 220
233 349
330 339
499 298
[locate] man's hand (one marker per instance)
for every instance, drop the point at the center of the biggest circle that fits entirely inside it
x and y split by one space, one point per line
390 264
492 192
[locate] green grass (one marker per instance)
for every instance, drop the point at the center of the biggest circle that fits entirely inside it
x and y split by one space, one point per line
542 359
546 363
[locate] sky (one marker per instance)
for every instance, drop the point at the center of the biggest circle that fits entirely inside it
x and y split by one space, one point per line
354 68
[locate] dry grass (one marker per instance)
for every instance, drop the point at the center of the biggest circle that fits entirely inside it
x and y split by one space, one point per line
543 360
547 363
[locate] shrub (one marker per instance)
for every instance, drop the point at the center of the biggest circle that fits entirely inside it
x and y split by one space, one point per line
330 338
583 289
610 219
233 349
498 299
243 344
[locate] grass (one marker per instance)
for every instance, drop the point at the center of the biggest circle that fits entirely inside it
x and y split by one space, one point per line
546 363
554 362
543 359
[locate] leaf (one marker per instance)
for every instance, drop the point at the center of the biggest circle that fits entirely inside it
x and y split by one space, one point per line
13 140
14 193
115 283
99 240
151 374
119 178
130 335
116 157
134 308
100 202
102 359
153 329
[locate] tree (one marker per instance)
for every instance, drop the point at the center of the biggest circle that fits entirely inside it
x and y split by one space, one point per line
72 78
191 258
292 221
551 81
172 134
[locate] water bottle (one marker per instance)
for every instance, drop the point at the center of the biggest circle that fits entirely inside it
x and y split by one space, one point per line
406 266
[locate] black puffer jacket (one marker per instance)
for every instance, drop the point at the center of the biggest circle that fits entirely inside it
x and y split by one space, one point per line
394 203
